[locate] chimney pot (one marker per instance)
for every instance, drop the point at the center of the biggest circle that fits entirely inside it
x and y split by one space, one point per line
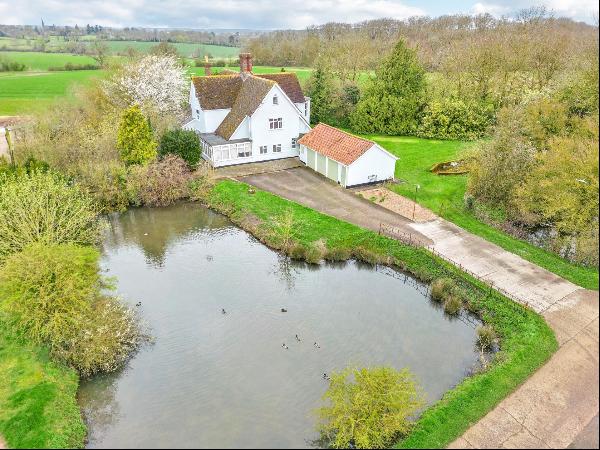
207 66
245 62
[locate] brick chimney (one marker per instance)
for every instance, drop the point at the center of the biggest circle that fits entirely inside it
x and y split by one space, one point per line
207 66
245 62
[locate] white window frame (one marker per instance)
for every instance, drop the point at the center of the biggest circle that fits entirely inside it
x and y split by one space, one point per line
275 100
243 150
276 124
294 143
276 148
264 149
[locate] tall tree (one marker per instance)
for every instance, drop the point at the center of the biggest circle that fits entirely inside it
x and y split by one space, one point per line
134 138
394 99
321 93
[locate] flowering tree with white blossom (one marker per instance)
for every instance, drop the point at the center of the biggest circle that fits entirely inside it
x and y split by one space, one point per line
158 81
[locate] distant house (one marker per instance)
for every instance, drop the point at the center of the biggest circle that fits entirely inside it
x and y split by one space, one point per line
244 117
346 159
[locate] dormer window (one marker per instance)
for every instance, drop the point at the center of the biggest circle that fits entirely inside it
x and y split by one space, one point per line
275 100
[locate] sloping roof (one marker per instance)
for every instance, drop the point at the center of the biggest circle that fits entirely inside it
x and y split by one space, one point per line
217 91
289 83
253 90
220 91
336 144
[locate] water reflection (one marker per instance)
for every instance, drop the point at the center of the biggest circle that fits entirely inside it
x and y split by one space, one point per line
154 230
220 381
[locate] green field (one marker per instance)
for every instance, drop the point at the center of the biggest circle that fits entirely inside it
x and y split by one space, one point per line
57 44
26 92
303 73
184 48
444 196
39 61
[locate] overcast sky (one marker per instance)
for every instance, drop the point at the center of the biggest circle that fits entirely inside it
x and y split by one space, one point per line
261 14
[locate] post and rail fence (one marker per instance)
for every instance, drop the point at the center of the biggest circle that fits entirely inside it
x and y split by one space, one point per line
413 241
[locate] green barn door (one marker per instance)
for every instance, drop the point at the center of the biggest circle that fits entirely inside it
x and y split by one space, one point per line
332 170
310 159
343 178
321 164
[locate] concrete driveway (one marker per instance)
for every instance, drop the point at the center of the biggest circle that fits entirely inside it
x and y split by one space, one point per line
308 188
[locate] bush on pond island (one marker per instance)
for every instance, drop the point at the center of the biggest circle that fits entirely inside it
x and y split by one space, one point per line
160 183
369 408
43 207
53 295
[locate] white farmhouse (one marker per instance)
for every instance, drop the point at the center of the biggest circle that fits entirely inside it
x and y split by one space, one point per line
346 159
244 117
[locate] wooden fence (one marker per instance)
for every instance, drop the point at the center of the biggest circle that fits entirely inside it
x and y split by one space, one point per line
414 241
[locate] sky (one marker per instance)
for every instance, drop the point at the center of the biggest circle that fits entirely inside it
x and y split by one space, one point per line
263 14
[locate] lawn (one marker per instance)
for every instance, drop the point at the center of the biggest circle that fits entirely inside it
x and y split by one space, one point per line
444 196
38 404
526 340
26 92
39 61
303 73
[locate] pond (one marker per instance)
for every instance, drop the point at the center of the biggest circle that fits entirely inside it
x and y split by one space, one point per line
225 380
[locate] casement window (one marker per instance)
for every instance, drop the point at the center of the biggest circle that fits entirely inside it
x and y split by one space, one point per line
243 151
305 109
276 124
277 148
294 142
221 153
275 100
263 149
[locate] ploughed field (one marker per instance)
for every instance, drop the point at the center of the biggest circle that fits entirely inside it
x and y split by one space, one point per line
215 379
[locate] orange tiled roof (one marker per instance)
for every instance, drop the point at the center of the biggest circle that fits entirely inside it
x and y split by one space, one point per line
335 144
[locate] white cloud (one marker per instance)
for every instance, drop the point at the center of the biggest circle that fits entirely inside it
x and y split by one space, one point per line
490 8
575 9
255 14
263 14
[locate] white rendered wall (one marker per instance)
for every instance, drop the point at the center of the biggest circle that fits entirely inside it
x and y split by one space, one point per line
374 161
261 134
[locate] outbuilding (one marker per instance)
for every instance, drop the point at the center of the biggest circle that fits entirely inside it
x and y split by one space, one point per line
344 158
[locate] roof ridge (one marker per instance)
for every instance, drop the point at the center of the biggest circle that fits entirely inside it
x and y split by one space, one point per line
336 144
345 132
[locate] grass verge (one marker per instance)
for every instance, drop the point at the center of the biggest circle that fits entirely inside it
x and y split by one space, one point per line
527 341
444 196
38 406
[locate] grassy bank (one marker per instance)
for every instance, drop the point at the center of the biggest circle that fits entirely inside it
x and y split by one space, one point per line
527 341
38 407
444 196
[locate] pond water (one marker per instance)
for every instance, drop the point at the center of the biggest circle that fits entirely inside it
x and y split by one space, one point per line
224 380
